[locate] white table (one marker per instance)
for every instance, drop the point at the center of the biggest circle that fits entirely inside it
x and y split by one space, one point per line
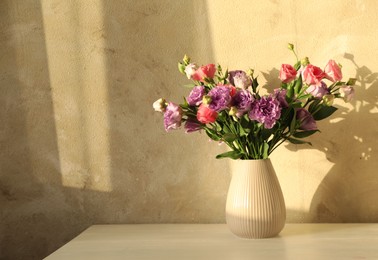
215 242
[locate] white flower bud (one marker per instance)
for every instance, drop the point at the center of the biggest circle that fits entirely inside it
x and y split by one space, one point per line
160 105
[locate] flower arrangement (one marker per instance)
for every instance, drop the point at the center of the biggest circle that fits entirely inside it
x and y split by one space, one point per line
227 105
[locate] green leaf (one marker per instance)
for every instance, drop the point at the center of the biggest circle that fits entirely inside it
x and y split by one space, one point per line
296 105
229 137
296 141
255 84
290 91
324 112
181 67
313 105
242 131
231 154
265 133
293 123
218 126
226 129
303 134
298 85
212 134
265 150
191 85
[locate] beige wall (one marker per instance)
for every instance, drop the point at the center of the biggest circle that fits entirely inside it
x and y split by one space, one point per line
80 143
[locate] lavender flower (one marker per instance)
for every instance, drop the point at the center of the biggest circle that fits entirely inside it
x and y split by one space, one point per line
220 98
242 101
307 121
239 79
280 95
347 92
195 96
267 111
172 117
192 125
318 91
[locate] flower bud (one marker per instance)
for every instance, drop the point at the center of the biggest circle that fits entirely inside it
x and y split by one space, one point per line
160 105
250 72
190 69
206 100
328 99
347 92
186 60
351 82
305 61
290 46
233 111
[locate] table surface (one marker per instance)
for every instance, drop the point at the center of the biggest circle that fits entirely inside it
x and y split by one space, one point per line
214 241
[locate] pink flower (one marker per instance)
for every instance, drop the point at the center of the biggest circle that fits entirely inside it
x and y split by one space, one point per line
312 75
206 115
347 92
317 91
172 116
333 71
207 71
287 73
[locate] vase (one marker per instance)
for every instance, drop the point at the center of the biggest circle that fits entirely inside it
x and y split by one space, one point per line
255 206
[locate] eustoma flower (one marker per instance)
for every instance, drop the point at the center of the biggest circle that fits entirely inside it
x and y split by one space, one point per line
172 116
307 122
190 69
207 71
312 75
280 95
196 95
239 79
242 101
206 115
347 92
318 91
333 71
192 125
287 73
267 111
220 98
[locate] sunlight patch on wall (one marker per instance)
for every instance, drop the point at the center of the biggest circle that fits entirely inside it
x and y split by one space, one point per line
77 69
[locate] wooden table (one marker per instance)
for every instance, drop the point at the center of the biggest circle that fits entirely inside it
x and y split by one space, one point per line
215 242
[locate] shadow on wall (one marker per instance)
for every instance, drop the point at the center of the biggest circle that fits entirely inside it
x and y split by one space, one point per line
348 193
38 214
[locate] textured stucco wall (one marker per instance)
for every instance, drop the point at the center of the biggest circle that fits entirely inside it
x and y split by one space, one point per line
80 143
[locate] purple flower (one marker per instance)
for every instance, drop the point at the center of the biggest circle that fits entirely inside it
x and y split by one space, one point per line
280 95
267 111
195 96
239 79
192 125
172 117
317 91
307 121
220 98
242 101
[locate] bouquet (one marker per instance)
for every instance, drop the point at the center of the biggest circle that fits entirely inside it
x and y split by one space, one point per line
228 107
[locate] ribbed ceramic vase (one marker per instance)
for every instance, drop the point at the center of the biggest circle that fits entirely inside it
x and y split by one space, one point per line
255 205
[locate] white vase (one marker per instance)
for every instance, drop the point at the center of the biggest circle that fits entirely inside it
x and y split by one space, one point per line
255 205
